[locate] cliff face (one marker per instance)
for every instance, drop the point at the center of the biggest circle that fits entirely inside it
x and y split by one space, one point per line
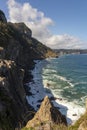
18 50
12 95
2 17
17 43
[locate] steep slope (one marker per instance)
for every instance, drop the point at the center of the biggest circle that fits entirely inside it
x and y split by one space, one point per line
17 43
12 95
46 116
18 50
2 17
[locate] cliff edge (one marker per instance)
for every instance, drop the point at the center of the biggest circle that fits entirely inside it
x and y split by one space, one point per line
46 116
18 50
2 17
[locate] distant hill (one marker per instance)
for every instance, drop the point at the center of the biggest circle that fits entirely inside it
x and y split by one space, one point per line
70 51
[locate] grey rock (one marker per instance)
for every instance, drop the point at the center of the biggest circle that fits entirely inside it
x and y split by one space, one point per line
2 17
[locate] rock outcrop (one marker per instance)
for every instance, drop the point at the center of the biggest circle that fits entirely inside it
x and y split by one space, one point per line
83 125
17 43
23 29
18 50
47 115
13 104
2 17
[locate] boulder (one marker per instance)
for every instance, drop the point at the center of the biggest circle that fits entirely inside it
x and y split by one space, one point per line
47 115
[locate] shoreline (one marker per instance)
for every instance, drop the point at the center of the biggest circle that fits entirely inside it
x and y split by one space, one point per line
39 91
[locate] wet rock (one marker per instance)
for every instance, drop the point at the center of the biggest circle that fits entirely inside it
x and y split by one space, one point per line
55 98
74 115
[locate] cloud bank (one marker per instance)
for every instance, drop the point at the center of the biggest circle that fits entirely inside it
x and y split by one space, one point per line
39 24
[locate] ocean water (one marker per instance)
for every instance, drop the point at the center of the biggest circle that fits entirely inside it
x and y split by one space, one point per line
66 77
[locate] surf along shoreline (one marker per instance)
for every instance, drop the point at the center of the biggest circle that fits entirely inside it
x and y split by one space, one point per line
38 91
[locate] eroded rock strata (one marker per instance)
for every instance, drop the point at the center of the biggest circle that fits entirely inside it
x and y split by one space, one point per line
13 104
18 50
46 116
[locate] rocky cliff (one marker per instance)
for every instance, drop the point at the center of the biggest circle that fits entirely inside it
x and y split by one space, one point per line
2 17
46 116
12 95
18 50
17 44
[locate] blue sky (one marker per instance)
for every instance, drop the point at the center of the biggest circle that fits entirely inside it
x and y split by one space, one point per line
70 16
63 22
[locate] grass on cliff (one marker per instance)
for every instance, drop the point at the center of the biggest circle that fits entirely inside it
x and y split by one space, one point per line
78 122
27 128
73 127
55 127
63 127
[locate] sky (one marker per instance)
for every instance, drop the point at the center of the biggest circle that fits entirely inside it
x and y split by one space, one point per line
56 23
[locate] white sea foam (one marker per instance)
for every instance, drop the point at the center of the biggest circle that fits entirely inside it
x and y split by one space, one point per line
70 109
64 79
80 83
49 71
60 78
83 98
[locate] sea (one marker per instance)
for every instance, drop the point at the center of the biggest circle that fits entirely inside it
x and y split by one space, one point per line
65 78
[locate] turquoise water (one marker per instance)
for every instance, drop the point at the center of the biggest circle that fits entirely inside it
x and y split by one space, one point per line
67 77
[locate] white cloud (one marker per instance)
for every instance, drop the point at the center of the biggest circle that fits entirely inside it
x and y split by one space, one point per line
39 24
64 41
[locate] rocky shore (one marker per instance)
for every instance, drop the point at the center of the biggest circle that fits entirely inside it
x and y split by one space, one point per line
46 117
13 105
18 50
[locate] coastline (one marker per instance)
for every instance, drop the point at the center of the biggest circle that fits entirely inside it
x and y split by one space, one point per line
39 91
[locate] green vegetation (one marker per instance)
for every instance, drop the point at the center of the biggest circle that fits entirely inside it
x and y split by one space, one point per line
63 127
78 122
23 49
28 128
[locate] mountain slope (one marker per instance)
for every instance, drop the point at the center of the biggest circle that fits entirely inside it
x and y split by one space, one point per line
19 36
18 50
